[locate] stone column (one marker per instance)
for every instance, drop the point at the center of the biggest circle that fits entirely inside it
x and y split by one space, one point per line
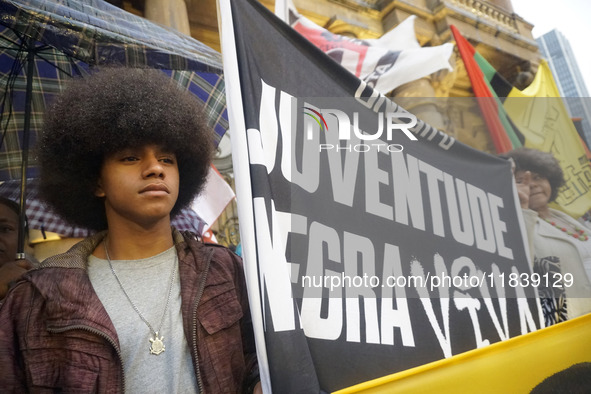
172 13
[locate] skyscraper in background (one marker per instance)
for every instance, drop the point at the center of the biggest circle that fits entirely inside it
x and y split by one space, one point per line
556 49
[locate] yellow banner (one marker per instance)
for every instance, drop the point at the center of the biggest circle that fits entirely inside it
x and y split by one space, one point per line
540 114
516 365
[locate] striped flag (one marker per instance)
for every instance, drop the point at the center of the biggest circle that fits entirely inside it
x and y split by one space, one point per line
536 118
504 136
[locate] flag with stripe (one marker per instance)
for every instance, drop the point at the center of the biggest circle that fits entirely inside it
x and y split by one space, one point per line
503 134
536 118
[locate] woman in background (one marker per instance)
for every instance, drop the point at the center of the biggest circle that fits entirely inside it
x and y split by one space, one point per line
560 245
10 268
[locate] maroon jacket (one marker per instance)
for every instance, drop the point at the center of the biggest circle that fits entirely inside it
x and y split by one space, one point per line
55 334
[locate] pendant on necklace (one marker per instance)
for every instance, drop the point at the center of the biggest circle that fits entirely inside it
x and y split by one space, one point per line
157 346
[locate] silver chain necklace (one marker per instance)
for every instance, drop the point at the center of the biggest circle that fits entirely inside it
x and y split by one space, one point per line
157 344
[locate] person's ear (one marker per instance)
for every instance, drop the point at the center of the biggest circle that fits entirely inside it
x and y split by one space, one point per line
98 191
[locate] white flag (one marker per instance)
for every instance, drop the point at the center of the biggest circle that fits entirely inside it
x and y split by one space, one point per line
392 60
214 198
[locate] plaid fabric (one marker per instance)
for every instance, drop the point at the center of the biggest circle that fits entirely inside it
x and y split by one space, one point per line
68 37
41 217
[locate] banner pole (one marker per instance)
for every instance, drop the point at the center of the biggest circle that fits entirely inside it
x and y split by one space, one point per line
241 167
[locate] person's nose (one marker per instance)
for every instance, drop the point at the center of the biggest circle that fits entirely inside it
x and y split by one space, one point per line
152 167
535 182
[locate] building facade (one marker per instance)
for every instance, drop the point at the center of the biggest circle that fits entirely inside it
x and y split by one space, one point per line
441 99
556 49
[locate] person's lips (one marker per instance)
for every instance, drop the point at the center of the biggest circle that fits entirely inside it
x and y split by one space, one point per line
155 189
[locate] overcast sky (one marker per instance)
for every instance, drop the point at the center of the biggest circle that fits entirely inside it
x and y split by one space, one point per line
571 17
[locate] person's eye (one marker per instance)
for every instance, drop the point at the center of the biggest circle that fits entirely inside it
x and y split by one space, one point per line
6 229
168 160
129 158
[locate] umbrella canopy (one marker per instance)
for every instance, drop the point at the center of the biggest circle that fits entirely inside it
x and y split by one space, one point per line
45 43
67 37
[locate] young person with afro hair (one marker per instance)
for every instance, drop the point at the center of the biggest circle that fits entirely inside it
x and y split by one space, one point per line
138 307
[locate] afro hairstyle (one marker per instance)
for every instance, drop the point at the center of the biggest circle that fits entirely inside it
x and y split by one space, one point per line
111 110
542 163
13 205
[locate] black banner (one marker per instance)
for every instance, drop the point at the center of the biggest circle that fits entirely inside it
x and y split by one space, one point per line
381 243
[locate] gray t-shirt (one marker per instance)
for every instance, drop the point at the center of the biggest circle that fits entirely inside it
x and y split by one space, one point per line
146 281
